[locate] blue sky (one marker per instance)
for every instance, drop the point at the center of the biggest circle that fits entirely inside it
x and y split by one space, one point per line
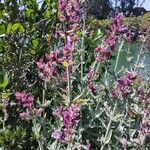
147 4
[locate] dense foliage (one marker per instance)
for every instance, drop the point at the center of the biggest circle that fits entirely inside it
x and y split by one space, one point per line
103 9
61 83
142 23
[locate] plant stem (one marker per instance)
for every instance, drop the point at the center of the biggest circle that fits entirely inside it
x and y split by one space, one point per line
82 53
108 126
37 135
118 55
40 145
139 55
69 84
43 96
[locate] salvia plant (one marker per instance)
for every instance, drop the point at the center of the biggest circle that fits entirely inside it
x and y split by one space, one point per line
83 96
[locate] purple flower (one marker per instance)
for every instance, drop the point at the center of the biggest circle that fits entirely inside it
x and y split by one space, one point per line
143 96
124 143
111 41
58 135
48 66
27 101
145 127
71 117
62 5
24 116
124 87
92 87
24 99
104 54
117 25
39 112
92 73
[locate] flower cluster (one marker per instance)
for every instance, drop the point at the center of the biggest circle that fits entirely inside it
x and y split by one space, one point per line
48 66
69 11
148 42
124 87
24 99
145 127
80 146
117 25
92 87
143 97
124 143
70 15
144 132
71 117
27 101
104 52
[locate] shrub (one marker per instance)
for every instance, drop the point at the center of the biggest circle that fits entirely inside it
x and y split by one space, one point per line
67 89
141 22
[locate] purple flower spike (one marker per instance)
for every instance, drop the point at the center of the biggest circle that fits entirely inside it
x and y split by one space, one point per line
71 117
124 87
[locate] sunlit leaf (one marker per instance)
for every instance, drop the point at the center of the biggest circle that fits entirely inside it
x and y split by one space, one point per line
82 101
2 28
9 27
17 26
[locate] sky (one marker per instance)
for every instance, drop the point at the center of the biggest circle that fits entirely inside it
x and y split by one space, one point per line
146 5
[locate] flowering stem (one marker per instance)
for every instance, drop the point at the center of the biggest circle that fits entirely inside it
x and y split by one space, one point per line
118 55
69 84
82 52
108 126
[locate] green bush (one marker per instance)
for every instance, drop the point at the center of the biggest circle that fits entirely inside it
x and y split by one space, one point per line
142 22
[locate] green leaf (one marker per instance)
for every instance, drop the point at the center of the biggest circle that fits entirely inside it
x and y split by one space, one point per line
48 14
2 46
21 28
29 13
17 26
54 145
5 81
109 137
2 28
33 51
4 84
6 95
9 27
1 107
35 43
82 101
